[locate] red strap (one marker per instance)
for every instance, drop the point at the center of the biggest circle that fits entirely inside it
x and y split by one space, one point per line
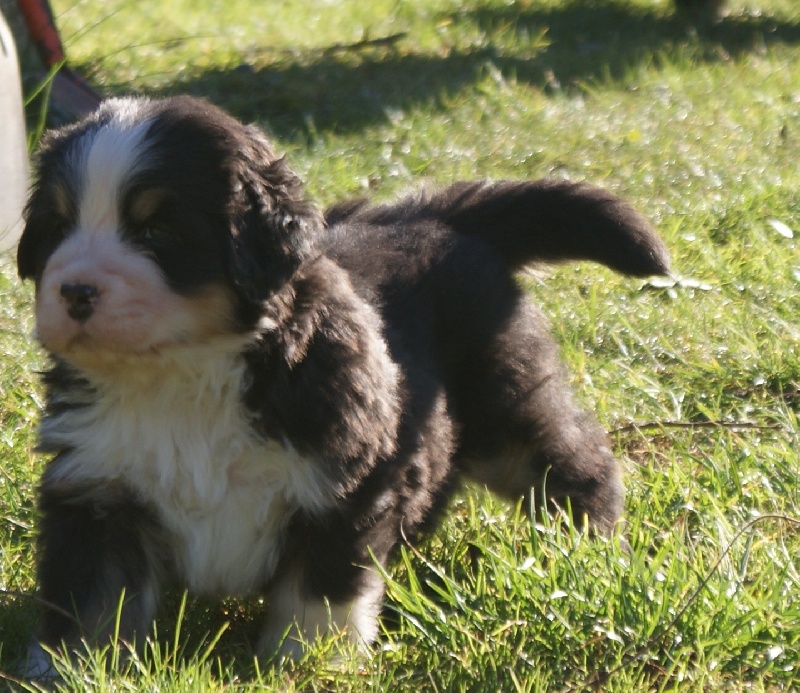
41 26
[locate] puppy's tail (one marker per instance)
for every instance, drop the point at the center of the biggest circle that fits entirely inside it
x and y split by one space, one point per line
543 220
554 220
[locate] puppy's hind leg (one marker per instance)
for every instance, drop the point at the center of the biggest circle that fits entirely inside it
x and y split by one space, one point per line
524 434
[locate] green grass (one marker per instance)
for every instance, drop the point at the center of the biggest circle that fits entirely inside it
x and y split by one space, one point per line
700 129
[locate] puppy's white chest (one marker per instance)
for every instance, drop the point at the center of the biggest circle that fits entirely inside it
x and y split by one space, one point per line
229 542
229 527
187 449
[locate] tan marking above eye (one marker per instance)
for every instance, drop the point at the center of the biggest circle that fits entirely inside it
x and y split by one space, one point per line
63 200
146 203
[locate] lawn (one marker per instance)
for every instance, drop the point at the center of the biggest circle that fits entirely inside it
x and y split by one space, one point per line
698 378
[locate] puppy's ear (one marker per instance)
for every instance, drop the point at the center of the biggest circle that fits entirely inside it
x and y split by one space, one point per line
43 231
27 254
275 227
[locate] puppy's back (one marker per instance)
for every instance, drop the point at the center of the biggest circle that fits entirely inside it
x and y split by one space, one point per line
531 221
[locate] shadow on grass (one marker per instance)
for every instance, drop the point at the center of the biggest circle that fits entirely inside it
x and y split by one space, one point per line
18 616
347 89
232 626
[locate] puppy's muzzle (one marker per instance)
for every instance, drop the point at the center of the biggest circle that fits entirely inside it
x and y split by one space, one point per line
80 300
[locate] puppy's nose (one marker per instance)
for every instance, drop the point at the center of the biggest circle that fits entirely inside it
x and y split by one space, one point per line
80 300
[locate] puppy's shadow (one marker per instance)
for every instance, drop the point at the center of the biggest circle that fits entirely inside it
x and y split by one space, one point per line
349 88
18 616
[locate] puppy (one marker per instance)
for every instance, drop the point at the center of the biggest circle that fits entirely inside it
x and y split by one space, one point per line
248 397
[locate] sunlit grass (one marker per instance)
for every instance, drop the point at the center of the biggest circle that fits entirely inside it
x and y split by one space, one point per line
699 382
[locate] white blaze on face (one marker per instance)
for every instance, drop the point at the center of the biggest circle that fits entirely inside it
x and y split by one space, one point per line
106 160
133 310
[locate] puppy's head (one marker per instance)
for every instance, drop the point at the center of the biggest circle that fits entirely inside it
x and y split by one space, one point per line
158 223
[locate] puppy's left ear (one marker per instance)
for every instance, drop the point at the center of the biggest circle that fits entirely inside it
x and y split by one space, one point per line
27 254
42 233
275 227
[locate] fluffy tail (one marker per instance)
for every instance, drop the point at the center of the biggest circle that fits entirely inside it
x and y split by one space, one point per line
543 220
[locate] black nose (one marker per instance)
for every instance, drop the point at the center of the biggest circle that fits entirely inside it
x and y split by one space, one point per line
80 300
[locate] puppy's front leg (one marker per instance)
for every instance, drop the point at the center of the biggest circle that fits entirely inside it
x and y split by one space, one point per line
97 546
299 615
328 582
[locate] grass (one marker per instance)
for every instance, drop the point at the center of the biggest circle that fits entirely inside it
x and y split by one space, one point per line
700 128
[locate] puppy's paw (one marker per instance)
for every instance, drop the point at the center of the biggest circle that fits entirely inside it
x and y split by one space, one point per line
38 664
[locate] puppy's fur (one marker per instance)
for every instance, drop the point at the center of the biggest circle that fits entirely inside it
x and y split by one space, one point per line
248 397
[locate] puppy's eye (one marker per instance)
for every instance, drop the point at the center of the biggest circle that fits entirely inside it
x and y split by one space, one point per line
59 228
156 233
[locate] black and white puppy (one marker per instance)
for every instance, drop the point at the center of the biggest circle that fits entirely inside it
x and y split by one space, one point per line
250 397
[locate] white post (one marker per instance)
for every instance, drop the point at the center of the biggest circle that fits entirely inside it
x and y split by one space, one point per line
13 143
